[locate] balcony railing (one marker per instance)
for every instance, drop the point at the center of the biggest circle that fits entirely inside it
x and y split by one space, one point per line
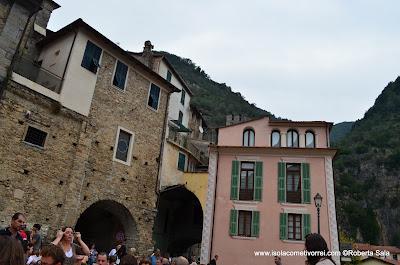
183 140
34 72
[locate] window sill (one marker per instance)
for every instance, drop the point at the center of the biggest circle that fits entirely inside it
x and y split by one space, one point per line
246 202
119 89
244 237
295 204
293 241
34 145
126 163
151 108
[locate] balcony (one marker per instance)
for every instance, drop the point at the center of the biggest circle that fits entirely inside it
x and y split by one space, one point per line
37 74
184 141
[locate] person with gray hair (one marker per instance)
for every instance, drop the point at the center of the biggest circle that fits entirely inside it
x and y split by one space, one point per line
181 261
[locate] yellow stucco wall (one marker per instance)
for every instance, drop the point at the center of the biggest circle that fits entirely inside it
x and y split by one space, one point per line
170 175
197 183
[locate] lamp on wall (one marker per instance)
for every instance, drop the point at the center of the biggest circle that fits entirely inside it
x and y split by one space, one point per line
318 203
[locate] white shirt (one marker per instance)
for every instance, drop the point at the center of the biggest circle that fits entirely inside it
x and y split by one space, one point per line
33 259
112 252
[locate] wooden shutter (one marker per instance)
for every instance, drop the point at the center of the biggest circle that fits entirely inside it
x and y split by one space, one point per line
281 182
258 181
283 218
305 176
235 180
306 225
255 224
233 227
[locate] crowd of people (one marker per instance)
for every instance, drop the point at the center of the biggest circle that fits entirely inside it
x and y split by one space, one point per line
19 247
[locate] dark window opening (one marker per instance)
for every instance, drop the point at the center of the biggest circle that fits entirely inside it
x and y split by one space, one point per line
246 190
124 140
35 136
293 183
244 223
181 162
154 96
183 95
294 227
91 57
121 71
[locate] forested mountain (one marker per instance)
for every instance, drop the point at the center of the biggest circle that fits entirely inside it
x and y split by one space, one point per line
214 100
340 130
367 166
367 171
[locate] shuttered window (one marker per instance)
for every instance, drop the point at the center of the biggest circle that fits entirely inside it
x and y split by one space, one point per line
244 223
181 162
154 96
246 180
121 71
91 57
294 183
294 226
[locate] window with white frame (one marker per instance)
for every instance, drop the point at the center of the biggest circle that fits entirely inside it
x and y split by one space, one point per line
35 136
123 146
120 74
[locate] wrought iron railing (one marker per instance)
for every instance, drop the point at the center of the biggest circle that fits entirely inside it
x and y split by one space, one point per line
36 73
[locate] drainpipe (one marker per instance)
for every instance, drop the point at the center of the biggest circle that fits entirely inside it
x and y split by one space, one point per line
69 57
215 198
156 189
16 53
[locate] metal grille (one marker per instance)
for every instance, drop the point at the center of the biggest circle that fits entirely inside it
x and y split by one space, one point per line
35 136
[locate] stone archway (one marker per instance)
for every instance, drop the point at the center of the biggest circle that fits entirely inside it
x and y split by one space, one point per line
104 223
179 222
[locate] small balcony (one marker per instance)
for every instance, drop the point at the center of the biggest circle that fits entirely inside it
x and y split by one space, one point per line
184 141
36 73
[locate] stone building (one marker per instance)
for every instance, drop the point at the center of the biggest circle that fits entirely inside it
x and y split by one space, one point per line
81 132
183 176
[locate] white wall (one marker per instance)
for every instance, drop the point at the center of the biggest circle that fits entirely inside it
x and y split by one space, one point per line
79 83
175 100
55 55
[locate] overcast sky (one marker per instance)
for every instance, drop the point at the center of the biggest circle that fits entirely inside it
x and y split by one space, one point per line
299 59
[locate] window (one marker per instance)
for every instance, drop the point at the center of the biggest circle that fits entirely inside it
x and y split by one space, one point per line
123 146
180 117
244 223
293 183
181 162
35 136
154 96
294 227
276 139
310 139
292 138
183 95
91 57
246 190
248 137
121 71
169 76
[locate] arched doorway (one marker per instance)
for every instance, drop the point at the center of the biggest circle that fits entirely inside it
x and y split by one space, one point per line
105 223
179 222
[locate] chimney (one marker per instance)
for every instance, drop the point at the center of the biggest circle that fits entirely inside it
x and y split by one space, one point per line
148 54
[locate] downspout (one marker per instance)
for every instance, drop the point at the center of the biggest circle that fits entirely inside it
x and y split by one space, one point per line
16 53
69 57
215 198
156 189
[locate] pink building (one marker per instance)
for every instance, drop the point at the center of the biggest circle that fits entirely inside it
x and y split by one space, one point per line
263 176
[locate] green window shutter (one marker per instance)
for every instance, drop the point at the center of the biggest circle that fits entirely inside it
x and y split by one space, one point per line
255 224
235 180
233 227
283 226
306 225
258 183
281 182
305 175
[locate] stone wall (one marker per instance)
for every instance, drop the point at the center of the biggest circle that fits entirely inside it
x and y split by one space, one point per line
75 169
